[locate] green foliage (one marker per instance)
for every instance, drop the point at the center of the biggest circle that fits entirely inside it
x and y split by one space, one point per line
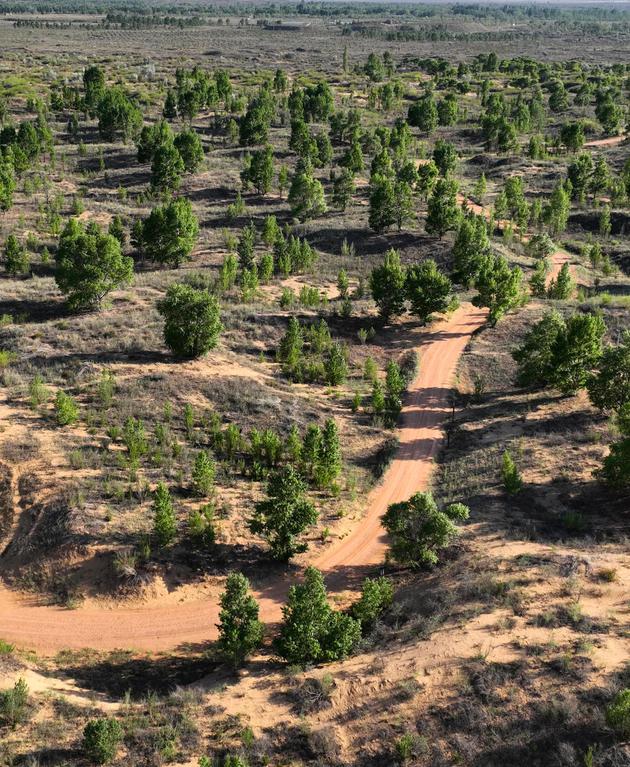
203 474
328 460
427 289
192 322
609 387
118 114
387 283
336 365
512 480
443 213
7 183
90 264
201 527
101 739
164 520
418 529
66 409
284 514
423 114
538 280
16 259
470 249
190 149
167 168
618 713
498 287
560 353
14 704
240 631
562 287
377 594
306 194
311 631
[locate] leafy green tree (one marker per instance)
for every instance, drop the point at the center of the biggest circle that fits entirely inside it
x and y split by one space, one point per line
170 233
261 172
418 529
306 195
311 631
557 211
580 172
101 739
336 365
387 283
498 287
169 110
16 260
448 110
14 704
166 169
383 212
7 183
240 631
615 470
540 246
190 149
117 229
90 264
512 480
377 595
284 515
538 280
66 409
445 157
535 356
618 713
562 286
423 114
192 321
151 137
164 520
329 462
343 189
118 114
427 177
470 249
290 348
577 351
442 210
203 474
572 136
254 125
94 86
609 387
427 289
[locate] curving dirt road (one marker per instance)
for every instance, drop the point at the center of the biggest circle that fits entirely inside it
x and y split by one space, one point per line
345 563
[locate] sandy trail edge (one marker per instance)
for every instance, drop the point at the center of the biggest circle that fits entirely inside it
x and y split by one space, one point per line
49 629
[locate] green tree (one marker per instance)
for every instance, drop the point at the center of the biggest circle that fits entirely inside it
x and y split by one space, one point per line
561 288
284 515
498 287
336 365
383 212
615 470
94 86
240 631
151 137
418 529
556 213
260 171
290 348
377 595
512 480
90 264
387 283
535 355
423 114
470 249
343 189
538 280
16 260
442 210
166 169
101 739
311 631
190 149
445 157
577 351
618 713
329 462
203 474
164 520
170 233
306 195
118 114
192 321
7 183
14 704
427 289
609 387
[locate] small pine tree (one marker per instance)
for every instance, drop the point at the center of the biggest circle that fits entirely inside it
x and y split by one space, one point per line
562 287
66 409
203 474
240 631
512 480
329 459
101 739
164 521
16 258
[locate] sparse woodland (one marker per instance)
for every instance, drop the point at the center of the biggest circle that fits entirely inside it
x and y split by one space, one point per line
239 250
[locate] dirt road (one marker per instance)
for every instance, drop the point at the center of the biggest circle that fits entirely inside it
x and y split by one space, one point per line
345 563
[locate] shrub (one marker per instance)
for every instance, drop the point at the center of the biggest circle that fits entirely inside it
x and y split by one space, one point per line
376 595
101 738
618 713
192 321
418 529
203 474
201 526
14 704
240 631
164 521
512 481
66 409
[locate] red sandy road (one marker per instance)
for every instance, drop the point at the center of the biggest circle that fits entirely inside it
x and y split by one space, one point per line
49 629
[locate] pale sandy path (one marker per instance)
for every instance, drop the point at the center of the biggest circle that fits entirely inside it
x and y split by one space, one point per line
48 629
